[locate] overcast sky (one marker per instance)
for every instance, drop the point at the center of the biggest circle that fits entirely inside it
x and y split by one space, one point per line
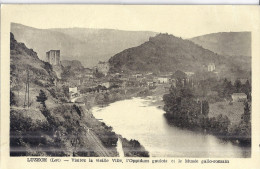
183 21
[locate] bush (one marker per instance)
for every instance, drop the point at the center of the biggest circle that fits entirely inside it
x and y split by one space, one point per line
12 99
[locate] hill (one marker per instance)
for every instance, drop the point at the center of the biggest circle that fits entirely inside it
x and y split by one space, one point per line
42 123
23 59
165 53
226 43
74 64
86 45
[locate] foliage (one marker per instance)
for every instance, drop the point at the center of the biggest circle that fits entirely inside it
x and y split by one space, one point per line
12 99
133 148
183 110
41 98
98 74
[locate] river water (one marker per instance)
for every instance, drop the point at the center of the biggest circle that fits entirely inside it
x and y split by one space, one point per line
138 119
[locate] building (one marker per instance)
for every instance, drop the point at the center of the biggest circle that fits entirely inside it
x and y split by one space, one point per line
103 67
106 84
53 57
73 92
138 75
189 74
211 67
163 80
239 97
73 89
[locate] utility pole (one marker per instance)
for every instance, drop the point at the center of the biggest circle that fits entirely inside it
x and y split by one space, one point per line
27 96
201 107
28 82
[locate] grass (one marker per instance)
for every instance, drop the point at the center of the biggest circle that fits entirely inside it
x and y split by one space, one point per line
233 111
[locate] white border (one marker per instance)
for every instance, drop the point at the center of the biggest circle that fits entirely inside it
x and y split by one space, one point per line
177 2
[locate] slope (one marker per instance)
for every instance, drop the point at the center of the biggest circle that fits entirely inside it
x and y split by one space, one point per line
165 53
86 45
226 43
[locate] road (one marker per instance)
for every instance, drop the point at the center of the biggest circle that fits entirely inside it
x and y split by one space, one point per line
98 146
74 99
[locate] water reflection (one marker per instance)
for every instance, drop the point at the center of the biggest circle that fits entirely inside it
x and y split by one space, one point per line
138 119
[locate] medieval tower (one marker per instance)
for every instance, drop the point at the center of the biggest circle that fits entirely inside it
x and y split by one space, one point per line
53 57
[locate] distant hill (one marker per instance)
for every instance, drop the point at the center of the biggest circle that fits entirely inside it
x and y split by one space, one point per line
164 53
86 45
226 43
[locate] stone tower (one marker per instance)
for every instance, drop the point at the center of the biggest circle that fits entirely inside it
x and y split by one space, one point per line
53 57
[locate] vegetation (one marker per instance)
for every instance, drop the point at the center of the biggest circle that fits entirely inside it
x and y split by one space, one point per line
167 53
133 148
184 110
42 98
50 126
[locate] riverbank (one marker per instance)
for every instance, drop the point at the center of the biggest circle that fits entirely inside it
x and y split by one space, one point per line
185 111
136 119
132 148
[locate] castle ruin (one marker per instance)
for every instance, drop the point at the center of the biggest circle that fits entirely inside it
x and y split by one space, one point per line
53 57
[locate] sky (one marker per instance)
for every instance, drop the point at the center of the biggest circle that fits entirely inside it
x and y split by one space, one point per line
181 21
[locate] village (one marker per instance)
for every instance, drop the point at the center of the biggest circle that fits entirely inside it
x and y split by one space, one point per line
98 79
66 94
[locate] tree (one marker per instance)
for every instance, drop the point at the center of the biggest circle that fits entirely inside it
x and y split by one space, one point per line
226 89
238 86
246 117
12 99
66 91
246 88
41 98
205 108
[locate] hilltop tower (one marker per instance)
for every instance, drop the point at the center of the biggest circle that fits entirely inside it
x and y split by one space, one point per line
53 57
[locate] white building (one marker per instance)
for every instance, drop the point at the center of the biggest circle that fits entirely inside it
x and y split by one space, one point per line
73 90
163 80
189 73
211 67
238 97
106 84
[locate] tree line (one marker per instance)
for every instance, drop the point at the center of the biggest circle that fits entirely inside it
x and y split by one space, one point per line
183 109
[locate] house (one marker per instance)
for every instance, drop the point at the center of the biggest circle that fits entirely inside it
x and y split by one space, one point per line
163 80
189 74
73 89
211 67
73 92
138 75
106 84
239 97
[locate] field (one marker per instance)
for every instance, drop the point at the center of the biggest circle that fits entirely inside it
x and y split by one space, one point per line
232 111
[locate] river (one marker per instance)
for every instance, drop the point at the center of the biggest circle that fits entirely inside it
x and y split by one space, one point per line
138 119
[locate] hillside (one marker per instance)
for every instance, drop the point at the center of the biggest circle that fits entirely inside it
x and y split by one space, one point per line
89 46
45 127
165 53
74 64
226 43
23 59
43 122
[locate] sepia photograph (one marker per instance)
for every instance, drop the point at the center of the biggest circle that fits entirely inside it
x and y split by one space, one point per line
84 86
